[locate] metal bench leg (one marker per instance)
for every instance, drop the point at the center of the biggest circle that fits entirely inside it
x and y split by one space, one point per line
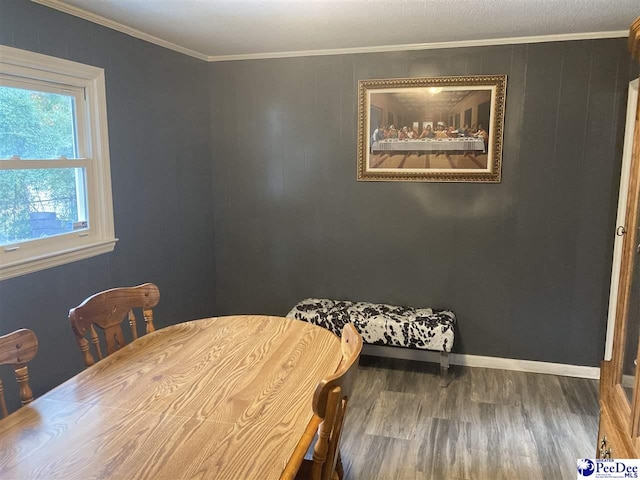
444 369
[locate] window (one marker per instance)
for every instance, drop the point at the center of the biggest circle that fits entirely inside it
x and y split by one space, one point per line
55 183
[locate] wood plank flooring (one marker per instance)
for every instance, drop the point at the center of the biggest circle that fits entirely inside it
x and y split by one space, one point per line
488 424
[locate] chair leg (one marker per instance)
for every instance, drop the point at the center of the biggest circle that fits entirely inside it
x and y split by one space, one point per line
444 369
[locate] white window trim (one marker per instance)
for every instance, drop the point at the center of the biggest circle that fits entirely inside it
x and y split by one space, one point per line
67 248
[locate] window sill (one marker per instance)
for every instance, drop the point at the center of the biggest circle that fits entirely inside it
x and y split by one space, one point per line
55 259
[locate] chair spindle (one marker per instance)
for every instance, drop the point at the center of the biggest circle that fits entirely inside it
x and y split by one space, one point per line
95 341
22 376
3 405
148 318
132 324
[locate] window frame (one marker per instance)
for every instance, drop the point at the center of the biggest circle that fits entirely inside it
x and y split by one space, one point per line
93 146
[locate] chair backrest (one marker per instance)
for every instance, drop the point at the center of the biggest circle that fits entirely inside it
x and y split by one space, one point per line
16 349
107 310
330 404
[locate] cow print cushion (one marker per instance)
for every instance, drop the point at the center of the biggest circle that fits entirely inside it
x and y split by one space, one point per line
380 324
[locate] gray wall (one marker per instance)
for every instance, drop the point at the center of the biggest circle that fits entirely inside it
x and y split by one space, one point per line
160 164
525 263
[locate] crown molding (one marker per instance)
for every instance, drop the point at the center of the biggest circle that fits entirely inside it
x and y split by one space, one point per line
563 37
105 22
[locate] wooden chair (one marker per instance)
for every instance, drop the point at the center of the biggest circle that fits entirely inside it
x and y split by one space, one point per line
107 310
330 404
16 349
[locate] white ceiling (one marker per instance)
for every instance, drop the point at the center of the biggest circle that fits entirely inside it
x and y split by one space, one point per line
211 29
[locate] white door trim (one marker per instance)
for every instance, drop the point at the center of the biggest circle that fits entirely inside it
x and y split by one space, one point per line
632 103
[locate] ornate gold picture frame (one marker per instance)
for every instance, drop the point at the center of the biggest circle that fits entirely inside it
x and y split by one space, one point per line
441 129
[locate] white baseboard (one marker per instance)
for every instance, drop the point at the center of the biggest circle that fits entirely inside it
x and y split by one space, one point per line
532 366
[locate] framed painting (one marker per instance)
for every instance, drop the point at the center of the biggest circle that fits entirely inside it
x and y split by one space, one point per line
445 129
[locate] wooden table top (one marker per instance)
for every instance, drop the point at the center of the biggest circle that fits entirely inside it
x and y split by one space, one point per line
226 397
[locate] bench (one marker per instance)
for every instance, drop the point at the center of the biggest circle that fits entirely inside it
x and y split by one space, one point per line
388 325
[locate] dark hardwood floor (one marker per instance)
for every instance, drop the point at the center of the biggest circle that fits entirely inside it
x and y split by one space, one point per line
488 424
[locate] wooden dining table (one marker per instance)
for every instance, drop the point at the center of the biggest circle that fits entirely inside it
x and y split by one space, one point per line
218 398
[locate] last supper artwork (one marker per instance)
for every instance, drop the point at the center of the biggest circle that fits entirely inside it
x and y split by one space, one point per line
437 131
